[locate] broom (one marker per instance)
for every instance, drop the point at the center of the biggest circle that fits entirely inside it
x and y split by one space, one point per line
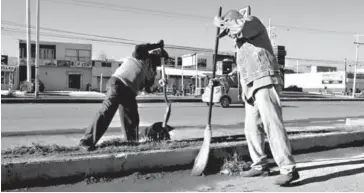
168 110
202 157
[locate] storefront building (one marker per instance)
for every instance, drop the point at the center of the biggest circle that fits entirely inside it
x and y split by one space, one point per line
62 66
101 73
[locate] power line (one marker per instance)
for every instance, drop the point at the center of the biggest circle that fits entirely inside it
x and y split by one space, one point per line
65 31
103 40
183 16
288 27
120 40
115 7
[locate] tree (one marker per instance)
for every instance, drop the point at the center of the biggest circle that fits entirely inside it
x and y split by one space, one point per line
102 56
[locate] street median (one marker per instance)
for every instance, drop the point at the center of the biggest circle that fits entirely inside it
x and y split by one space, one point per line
118 159
13 100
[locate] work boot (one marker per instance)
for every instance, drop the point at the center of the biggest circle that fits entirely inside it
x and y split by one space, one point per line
256 173
87 145
285 179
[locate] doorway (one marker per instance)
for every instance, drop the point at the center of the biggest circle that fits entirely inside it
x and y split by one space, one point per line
74 81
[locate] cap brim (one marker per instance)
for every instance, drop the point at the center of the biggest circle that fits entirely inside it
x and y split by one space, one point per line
223 33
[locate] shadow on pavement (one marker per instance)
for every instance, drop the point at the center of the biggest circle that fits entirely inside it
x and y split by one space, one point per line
331 175
242 106
361 161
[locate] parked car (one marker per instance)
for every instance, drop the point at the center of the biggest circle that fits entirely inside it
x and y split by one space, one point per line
293 88
224 96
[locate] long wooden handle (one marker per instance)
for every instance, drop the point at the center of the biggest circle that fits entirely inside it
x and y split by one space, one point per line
214 70
168 110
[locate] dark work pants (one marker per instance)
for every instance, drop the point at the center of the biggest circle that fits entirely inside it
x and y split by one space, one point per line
117 94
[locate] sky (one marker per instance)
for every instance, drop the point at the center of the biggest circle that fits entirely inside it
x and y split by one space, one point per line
309 29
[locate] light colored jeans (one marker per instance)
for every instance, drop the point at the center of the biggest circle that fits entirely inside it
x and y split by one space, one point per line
266 116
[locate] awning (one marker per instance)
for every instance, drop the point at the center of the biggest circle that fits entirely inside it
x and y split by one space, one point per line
6 68
186 72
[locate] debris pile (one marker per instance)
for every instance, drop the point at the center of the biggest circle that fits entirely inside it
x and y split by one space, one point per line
234 166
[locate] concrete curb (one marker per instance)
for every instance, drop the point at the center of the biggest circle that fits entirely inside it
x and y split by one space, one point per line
70 131
55 131
90 100
149 100
18 174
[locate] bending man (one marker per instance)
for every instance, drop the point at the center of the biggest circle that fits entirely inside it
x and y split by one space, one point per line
136 73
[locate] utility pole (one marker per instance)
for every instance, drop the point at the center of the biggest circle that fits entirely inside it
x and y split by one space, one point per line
36 92
196 82
357 43
270 31
197 76
297 68
346 75
101 78
29 52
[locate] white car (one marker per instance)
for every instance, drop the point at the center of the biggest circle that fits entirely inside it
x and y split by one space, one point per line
222 97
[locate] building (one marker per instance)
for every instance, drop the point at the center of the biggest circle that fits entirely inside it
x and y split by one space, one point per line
323 69
182 72
8 72
335 82
101 73
62 66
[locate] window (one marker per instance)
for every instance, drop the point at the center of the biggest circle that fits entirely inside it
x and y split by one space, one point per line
358 76
45 51
2 77
84 55
78 55
5 77
179 61
106 64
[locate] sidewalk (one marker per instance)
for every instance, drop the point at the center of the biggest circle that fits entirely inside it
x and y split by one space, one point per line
343 172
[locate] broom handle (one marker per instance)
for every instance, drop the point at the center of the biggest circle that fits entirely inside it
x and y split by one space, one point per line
168 110
163 77
214 70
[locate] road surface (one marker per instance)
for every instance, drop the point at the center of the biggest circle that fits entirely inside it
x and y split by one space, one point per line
26 117
339 170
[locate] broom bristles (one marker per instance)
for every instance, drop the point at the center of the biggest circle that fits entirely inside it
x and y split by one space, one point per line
203 156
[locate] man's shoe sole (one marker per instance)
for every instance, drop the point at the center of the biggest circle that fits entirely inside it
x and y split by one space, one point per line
263 174
87 148
295 177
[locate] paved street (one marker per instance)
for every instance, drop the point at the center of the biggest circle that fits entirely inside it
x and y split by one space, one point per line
26 117
336 170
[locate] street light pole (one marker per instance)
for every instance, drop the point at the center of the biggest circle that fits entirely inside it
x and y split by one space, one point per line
36 92
269 29
346 75
29 52
196 61
356 64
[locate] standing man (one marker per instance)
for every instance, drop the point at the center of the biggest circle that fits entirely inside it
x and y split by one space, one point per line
261 82
136 73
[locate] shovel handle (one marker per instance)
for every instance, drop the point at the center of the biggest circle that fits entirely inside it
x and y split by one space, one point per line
214 70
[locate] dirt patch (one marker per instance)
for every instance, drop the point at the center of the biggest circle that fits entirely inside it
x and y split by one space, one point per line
112 146
115 146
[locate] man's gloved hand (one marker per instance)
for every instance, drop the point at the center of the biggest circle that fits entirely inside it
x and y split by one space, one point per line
215 82
162 82
161 44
